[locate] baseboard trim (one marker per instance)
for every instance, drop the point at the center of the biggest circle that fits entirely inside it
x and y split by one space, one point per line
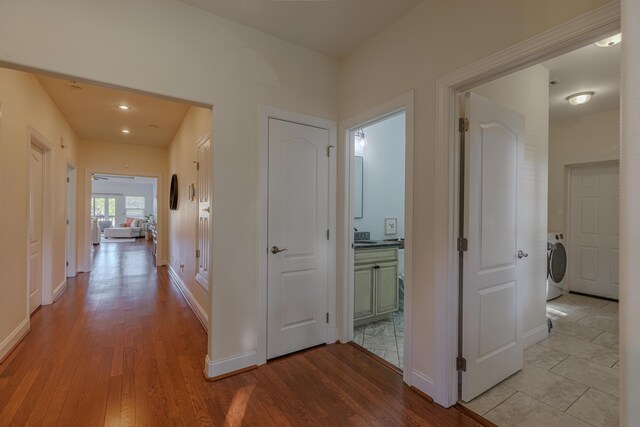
59 290
14 338
202 316
535 335
423 383
232 365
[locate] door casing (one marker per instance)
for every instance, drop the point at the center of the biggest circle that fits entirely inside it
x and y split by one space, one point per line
578 32
266 112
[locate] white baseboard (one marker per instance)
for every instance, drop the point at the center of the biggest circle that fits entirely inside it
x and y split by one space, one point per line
535 335
191 300
423 383
14 338
59 290
216 368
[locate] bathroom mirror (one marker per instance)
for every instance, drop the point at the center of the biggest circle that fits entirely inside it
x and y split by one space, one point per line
358 173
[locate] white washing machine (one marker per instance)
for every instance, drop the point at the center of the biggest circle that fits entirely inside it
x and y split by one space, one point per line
556 265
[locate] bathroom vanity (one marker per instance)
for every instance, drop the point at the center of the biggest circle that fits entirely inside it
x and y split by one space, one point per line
376 281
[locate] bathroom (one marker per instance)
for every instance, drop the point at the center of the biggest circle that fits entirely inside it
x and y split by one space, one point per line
378 208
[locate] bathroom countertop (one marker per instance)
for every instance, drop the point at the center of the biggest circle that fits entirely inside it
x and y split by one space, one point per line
380 244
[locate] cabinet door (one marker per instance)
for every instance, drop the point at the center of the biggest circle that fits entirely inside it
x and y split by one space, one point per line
363 291
387 287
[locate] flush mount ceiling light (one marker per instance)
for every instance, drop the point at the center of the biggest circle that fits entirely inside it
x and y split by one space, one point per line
610 41
123 107
126 131
580 98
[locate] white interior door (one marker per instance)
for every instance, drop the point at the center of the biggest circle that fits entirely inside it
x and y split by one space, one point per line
71 223
492 309
203 189
36 171
298 237
593 234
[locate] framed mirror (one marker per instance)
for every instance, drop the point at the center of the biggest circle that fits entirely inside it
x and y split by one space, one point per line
358 188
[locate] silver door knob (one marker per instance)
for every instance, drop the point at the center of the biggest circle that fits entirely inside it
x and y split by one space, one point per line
277 250
522 254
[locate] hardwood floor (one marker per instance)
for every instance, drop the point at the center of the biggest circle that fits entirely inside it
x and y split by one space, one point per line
122 347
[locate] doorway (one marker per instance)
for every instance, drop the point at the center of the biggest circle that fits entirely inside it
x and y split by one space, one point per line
298 233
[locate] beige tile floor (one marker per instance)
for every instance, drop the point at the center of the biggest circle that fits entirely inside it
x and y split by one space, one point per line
568 379
384 338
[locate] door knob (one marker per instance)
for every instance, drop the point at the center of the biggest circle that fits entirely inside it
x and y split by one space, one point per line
277 250
522 254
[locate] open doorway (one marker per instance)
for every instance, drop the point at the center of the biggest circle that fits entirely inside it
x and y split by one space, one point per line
539 221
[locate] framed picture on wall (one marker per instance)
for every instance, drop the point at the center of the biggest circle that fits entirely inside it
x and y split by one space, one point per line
390 226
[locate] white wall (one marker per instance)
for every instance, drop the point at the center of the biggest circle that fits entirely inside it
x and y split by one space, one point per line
169 48
590 138
527 92
383 177
434 39
126 189
629 223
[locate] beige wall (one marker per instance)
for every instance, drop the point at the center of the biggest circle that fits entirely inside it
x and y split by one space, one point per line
24 103
182 222
587 139
170 48
434 39
527 92
124 159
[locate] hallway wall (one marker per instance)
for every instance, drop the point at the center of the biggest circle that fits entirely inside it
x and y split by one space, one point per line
123 159
182 222
24 103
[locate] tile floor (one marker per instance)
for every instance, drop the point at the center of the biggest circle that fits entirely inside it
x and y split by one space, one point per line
570 378
384 338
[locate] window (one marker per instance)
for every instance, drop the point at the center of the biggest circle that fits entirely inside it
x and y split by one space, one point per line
103 208
134 206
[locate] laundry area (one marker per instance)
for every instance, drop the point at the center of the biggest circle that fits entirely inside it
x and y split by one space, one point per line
562 182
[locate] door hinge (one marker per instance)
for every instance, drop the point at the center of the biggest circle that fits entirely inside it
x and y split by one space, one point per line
67 263
327 317
329 150
463 244
327 234
197 253
67 222
463 124
197 165
67 180
461 364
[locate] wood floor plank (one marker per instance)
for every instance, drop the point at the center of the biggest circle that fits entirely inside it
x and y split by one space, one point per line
122 347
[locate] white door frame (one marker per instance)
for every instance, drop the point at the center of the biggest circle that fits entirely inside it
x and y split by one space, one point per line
87 210
35 138
71 208
403 103
569 168
564 38
265 113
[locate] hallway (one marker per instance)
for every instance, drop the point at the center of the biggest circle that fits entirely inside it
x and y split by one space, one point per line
122 347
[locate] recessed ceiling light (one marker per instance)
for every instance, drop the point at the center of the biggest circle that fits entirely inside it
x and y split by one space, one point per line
123 107
580 98
152 126
75 88
126 131
610 41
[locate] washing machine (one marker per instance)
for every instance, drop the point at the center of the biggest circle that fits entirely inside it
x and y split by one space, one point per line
556 265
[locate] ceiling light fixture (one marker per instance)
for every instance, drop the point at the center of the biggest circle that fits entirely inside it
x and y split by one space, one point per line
361 136
610 41
580 98
123 107
126 131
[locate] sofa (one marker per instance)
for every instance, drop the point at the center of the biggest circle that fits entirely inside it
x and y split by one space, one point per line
128 230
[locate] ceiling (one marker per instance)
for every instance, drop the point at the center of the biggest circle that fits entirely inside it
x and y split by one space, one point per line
590 68
332 27
125 179
91 111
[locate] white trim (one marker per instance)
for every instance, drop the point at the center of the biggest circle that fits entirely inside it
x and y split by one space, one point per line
266 112
535 335
14 338
202 280
59 290
215 368
71 269
404 102
86 209
568 36
35 138
423 383
197 309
